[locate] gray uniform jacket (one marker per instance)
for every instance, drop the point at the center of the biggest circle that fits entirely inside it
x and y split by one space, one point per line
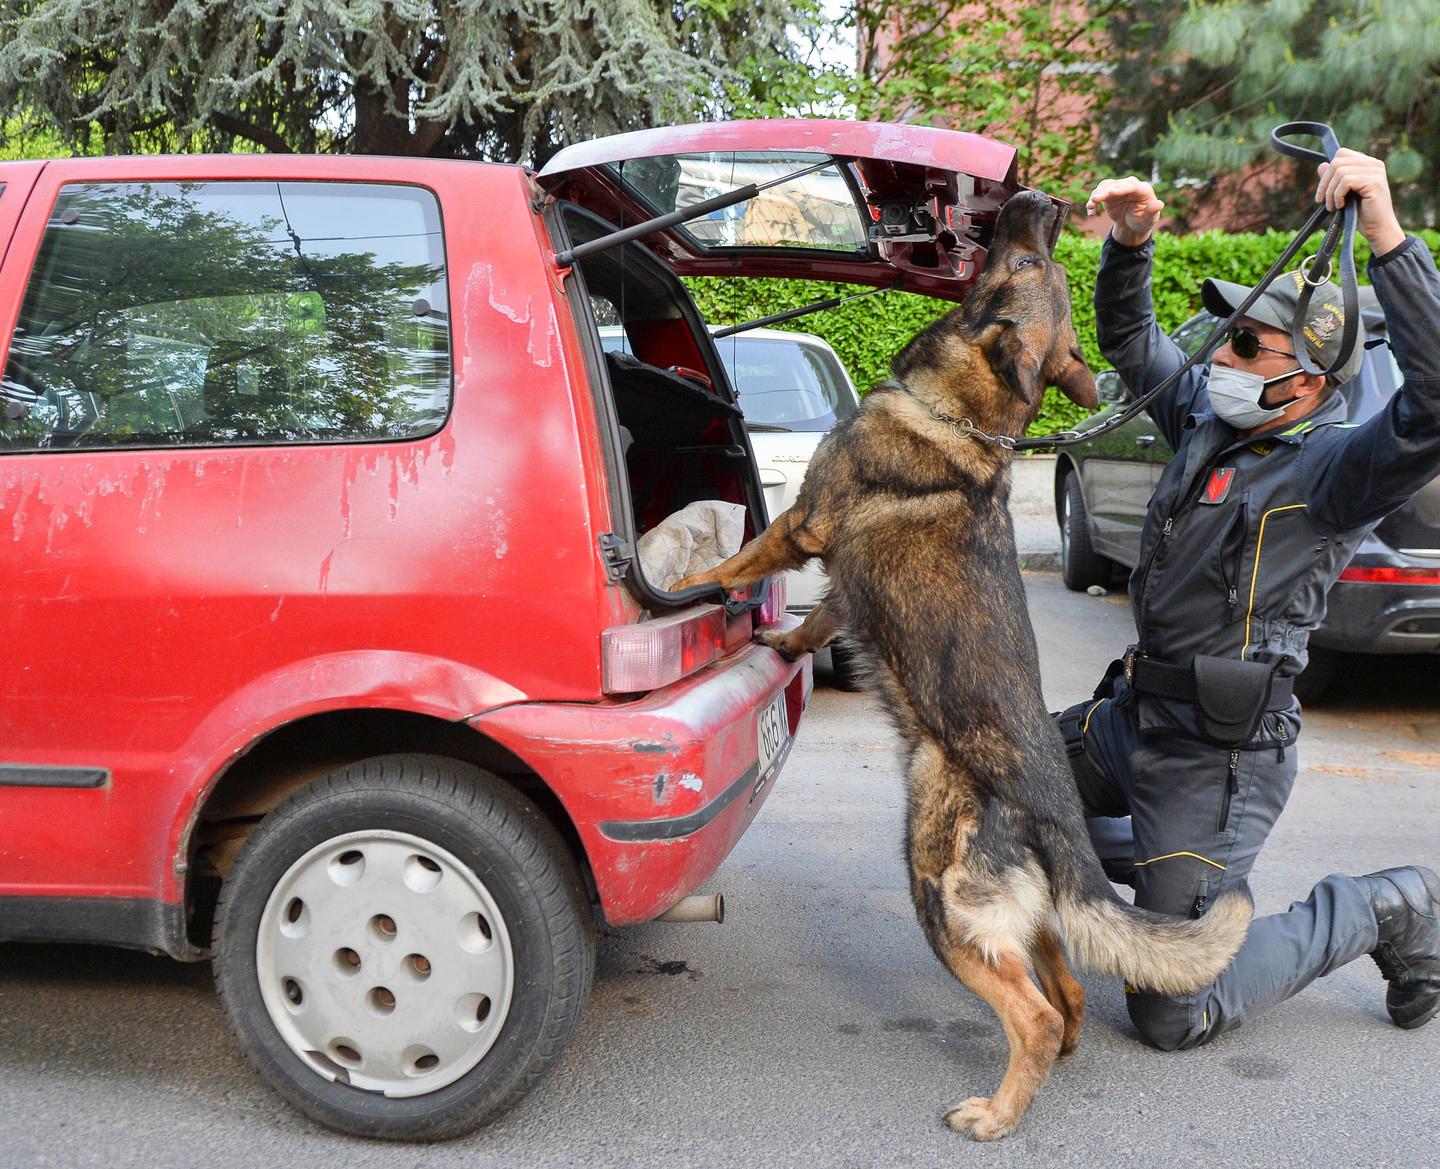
1244 536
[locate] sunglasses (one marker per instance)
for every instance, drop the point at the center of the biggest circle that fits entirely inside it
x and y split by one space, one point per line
1245 343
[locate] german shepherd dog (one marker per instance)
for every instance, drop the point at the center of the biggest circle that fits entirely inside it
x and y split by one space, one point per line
907 509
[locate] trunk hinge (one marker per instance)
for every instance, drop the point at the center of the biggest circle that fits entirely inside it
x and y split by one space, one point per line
616 554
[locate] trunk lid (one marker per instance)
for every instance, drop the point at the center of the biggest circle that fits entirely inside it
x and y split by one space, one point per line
880 204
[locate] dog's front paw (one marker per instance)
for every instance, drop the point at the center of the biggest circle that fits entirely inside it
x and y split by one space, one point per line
977 1116
782 643
695 578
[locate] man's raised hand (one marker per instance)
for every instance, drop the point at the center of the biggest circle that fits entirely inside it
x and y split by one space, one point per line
1353 173
1133 208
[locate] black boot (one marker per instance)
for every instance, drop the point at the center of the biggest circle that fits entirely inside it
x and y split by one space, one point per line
1407 910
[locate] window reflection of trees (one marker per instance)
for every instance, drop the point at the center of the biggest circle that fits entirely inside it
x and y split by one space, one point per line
157 315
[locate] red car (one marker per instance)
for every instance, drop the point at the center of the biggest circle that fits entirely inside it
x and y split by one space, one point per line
330 648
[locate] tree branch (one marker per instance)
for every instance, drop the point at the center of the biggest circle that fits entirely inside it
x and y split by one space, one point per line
269 139
428 135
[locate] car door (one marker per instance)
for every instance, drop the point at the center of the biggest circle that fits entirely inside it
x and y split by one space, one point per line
1118 478
190 432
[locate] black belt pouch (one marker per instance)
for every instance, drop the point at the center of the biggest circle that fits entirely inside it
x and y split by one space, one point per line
1230 697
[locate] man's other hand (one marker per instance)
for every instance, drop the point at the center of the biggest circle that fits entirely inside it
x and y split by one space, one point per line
1132 206
1354 173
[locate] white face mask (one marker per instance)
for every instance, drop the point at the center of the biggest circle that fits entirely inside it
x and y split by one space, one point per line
1235 395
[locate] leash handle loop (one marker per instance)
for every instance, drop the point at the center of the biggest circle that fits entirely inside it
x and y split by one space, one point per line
1341 227
1320 130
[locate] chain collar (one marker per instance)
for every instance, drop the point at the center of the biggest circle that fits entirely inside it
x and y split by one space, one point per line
963 425
970 430
1004 441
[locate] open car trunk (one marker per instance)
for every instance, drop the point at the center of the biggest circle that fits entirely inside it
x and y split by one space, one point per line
676 434
904 207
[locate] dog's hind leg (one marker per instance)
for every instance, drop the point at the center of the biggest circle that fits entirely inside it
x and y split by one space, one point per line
1047 953
1035 1030
816 632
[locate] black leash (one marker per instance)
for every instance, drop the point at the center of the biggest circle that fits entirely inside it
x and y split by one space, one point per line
1320 266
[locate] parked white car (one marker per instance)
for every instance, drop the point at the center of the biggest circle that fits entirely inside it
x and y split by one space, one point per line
792 388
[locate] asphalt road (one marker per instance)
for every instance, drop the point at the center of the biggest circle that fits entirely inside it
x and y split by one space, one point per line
814 1028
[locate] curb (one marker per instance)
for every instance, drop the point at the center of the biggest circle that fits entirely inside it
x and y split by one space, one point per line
1039 561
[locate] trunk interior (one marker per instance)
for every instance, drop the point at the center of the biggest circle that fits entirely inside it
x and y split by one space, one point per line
677 430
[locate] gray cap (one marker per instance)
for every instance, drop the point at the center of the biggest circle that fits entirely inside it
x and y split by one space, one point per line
1324 320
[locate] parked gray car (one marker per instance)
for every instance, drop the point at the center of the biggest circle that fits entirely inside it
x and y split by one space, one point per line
1387 601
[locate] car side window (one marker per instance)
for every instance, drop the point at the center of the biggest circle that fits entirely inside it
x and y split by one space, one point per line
215 313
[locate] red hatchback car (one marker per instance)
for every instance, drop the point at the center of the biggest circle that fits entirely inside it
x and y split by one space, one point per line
331 651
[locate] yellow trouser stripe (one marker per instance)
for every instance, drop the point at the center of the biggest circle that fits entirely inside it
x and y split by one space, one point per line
1085 730
1172 855
1255 574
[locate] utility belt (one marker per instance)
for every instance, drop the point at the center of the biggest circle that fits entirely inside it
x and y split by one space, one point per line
1229 696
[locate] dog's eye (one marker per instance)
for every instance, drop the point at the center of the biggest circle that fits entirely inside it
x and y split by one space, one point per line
1026 262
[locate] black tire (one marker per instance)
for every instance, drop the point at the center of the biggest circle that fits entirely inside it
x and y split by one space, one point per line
846 671
1313 683
1080 564
500 839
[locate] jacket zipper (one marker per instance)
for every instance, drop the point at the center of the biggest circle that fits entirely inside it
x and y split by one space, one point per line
1166 530
1232 587
1232 786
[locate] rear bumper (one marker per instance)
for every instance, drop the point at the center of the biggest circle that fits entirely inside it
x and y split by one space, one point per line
1381 618
660 789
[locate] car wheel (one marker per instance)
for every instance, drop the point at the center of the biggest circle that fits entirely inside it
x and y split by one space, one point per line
403 947
1080 564
847 671
1316 679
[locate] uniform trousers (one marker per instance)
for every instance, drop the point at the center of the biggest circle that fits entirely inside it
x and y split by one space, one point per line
1160 818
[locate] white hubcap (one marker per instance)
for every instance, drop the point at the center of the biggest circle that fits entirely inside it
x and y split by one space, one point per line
384 963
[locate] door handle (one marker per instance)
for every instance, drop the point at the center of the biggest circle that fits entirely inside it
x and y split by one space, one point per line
770 477
1145 440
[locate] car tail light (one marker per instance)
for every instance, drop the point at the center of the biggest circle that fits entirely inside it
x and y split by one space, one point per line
1383 574
652 654
774 607
795 701
739 630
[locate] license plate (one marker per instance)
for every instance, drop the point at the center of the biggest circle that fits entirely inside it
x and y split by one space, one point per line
773 730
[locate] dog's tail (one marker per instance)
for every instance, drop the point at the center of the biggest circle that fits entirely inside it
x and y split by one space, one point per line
1104 933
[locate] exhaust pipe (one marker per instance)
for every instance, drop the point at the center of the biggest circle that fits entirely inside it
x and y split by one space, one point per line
700 907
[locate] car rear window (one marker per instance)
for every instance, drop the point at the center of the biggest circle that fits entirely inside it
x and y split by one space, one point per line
815 210
786 385
164 314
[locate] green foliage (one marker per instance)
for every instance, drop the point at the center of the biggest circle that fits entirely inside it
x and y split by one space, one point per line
995 67
512 80
23 136
1198 88
869 332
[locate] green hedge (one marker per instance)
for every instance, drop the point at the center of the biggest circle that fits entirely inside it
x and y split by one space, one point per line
869 332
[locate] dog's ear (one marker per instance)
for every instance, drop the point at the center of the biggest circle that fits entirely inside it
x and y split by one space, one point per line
1017 363
1076 381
